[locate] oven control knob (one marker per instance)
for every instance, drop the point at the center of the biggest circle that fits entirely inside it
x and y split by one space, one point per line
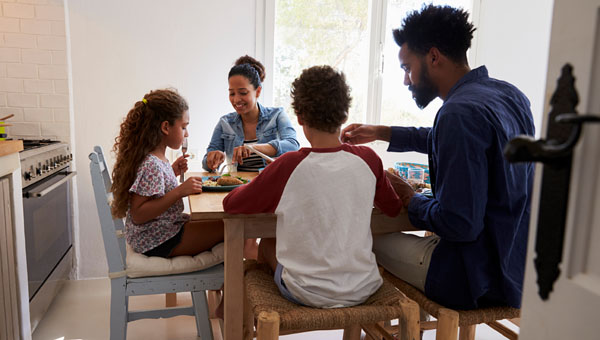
38 171
27 175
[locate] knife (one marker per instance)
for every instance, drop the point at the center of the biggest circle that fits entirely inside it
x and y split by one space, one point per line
262 155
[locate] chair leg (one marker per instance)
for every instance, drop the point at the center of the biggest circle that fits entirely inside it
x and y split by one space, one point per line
352 332
170 299
409 321
467 332
268 326
201 311
118 309
447 325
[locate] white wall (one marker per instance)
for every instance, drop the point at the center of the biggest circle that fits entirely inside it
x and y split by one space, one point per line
33 69
122 49
512 40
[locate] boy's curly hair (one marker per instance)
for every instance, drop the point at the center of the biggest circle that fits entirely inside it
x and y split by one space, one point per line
140 134
321 98
444 27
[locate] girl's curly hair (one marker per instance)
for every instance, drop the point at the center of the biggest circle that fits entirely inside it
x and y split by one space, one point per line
321 98
140 134
444 27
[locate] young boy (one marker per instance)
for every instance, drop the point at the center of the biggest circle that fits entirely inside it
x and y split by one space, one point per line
323 197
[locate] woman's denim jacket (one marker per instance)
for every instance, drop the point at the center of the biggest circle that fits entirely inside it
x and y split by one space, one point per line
274 128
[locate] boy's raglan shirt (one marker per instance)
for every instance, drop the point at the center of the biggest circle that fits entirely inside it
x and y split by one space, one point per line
323 199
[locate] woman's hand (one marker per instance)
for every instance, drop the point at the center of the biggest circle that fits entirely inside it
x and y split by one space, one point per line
404 190
214 159
239 153
180 165
192 185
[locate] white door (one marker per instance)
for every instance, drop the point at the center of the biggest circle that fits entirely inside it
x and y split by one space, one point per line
571 310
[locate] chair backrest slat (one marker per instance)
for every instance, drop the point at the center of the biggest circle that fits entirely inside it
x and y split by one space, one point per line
113 246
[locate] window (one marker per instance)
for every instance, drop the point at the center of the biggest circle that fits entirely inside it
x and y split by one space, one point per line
354 36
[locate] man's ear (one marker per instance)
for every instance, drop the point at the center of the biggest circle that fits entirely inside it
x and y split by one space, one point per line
300 121
434 56
164 127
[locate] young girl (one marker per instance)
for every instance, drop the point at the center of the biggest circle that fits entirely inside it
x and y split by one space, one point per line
145 185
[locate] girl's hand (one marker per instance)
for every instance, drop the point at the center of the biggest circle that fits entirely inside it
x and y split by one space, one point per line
239 153
180 165
192 185
214 159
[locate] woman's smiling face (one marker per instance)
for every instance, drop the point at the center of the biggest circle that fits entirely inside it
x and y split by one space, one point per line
242 94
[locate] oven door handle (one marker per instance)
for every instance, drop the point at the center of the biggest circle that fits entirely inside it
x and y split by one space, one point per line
46 191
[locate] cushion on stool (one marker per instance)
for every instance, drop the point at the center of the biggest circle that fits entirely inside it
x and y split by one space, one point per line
263 295
139 265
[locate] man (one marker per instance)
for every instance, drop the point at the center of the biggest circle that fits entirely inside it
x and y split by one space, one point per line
480 210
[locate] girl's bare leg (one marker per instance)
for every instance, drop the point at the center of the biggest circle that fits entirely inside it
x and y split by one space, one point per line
199 236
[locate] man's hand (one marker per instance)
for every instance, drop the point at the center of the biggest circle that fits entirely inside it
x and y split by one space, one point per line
402 188
361 133
214 159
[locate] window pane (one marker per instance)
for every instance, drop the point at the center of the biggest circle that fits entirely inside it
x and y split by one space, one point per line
398 108
325 32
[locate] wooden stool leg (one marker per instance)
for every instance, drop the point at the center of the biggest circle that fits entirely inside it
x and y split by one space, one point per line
467 332
248 325
268 326
171 299
409 322
447 325
352 333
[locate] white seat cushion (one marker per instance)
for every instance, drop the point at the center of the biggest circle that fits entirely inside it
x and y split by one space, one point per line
139 265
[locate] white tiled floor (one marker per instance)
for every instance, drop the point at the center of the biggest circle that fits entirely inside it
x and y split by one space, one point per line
81 311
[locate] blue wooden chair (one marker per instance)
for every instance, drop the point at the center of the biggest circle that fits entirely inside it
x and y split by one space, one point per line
122 286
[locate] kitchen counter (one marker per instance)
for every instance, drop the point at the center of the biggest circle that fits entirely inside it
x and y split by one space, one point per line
10 146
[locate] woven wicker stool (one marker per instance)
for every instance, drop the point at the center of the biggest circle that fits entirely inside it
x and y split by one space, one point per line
449 320
274 315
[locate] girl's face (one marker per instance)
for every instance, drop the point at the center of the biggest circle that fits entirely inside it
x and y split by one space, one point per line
242 94
177 132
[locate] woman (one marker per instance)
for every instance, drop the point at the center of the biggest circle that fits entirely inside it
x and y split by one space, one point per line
267 129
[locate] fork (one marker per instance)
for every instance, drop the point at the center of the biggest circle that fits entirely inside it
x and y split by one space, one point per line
220 170
184 147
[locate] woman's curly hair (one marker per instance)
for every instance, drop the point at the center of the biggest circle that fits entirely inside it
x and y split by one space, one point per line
321 98
250 68
444 27
140 134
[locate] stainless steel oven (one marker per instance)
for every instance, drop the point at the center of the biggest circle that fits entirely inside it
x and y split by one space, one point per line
46 177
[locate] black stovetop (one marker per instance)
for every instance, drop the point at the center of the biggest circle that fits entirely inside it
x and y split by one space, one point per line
36 143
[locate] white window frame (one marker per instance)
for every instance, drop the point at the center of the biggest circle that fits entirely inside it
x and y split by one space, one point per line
265 44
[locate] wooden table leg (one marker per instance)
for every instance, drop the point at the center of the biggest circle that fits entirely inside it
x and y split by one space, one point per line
234 278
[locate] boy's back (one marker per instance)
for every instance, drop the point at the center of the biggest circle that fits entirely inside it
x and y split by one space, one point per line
323 199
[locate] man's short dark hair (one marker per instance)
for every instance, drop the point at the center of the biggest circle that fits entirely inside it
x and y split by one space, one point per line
321 98
444 27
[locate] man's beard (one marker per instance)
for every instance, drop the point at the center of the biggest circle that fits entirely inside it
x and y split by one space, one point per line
426 91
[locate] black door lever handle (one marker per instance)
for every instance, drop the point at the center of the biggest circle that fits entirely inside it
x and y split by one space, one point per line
527 149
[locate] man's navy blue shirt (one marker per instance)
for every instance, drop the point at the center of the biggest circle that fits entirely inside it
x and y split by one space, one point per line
481 207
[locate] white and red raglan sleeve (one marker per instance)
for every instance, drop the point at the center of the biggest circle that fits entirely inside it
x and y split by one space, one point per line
386 198
263 193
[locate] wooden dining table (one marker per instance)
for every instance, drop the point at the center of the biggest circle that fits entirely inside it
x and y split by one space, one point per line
209 206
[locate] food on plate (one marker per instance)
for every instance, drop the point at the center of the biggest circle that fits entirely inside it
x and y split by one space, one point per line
223 181
229 180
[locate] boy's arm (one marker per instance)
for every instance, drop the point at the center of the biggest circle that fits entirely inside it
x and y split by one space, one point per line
263 193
